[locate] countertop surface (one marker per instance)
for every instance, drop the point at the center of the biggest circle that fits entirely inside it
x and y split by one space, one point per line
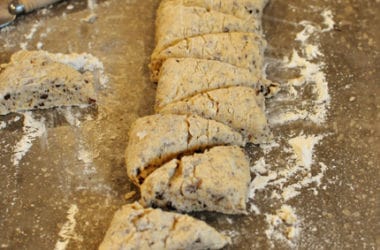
315 187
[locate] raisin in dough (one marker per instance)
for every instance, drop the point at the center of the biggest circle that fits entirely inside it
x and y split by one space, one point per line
176 22
156 139
245 50
216 180
185 77
245 9
241 108
134 227
38 80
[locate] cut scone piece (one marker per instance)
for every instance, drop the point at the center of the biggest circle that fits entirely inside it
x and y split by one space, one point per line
216 180
241 108
156 139
185 77
245 50
244 9
175 22
41 80
134 227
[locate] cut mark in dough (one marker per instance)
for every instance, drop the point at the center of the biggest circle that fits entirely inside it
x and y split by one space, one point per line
134 227
177 22
156 139
216 180
181 78
244 9
245 50
241 108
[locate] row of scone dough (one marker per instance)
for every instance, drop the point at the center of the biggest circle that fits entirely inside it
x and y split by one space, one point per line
208 64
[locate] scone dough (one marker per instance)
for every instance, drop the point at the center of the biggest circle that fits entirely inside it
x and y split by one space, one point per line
156 139
177 22
39 80
216 180
241 108
185 77
244 9
245 50
134 227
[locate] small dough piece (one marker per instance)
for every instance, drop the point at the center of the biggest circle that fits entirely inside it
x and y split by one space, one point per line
156 139
39 80
245 50
245 9
185 77
216 180
176 22
241 108
134 227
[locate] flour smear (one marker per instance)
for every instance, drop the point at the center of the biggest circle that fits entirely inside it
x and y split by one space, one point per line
32 129
67 231
299 171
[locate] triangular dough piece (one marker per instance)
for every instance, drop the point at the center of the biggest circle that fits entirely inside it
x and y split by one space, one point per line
245 50
40 80
156 139
241 108
185 77
216 180
134 227
177 22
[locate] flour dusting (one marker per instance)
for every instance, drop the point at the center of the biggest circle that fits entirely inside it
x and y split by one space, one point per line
32 130
308 60
293 168
303 147
83 62
284 225
3 124
67 231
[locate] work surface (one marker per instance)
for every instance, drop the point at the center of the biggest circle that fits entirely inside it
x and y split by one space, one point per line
62 172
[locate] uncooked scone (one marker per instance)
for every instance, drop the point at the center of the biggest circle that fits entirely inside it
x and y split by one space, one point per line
245 50
245 9
134 227
156 139
176 22
41 80
185 77
241 108
216 180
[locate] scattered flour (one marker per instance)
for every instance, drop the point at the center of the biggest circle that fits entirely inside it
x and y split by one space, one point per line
294 169
67 231
303 147
32 31
307 61
86 157
3 124
32 130
82 62
284 225
70 117
30 35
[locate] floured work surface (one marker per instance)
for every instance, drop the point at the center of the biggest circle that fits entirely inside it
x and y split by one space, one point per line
62 171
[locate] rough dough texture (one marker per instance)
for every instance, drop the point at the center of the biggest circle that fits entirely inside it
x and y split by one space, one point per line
134 227
241 108
244 9
40 80
245 50
181 78
176 22
216 180
156 139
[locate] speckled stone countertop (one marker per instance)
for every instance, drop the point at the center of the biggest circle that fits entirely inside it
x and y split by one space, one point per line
64 191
